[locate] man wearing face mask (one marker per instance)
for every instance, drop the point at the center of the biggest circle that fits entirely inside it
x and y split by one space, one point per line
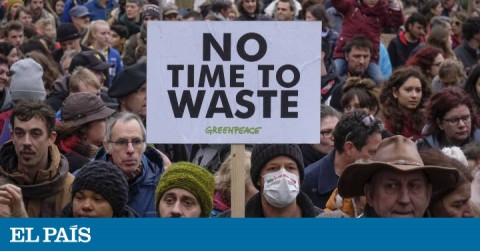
277 172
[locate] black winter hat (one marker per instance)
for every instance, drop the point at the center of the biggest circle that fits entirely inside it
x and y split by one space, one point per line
261 154
128 80
105 179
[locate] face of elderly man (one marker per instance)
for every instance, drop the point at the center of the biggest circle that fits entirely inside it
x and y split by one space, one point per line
399 194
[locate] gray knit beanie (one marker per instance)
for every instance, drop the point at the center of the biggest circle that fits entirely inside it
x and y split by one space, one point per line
27 82
261 154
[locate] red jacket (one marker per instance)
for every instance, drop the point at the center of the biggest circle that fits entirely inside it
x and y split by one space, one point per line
359 19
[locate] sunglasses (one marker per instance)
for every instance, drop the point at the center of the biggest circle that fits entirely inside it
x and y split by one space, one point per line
367 121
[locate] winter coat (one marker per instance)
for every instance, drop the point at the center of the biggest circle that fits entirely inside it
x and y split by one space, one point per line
437 141
254 209
320 180
399 49
359 19
50 191
141 192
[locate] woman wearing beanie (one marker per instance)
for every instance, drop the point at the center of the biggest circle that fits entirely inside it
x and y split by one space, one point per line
99 190
277 172
185 190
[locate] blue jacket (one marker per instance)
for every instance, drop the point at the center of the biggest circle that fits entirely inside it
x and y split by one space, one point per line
141 194
115 59
320 180
99 13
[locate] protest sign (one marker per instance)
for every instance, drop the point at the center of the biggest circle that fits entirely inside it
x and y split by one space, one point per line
233 82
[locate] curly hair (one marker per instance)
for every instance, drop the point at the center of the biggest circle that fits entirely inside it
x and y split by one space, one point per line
356 126
364 90
442 102
390 107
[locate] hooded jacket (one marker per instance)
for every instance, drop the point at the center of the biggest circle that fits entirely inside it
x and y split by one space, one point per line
48 194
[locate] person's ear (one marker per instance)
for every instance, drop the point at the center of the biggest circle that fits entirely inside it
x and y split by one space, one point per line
395 92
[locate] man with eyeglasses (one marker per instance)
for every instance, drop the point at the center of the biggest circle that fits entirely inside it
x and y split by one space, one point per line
130 89
142 165
356 136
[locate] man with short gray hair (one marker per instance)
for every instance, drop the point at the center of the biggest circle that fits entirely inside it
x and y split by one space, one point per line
142 165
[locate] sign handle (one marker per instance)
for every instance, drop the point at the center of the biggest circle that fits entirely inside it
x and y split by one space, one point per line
238 181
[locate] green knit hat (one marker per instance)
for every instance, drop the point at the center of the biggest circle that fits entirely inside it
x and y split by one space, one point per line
195 179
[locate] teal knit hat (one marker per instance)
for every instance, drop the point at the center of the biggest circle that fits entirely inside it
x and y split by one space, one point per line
195 179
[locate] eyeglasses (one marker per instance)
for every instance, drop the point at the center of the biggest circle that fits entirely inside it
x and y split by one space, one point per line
123 143
455 121
327 133
367 121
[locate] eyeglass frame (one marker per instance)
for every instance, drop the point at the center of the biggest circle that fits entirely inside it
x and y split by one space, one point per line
456 121
123 143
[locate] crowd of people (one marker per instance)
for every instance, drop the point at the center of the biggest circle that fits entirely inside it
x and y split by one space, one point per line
400 125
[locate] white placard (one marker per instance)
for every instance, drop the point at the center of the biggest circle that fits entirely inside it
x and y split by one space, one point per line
233 82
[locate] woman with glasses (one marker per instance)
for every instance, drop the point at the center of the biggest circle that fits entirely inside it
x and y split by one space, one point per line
402 101
451 120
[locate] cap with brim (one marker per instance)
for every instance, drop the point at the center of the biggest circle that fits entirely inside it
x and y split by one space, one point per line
395 153
83 107
92 60
101 113
79 11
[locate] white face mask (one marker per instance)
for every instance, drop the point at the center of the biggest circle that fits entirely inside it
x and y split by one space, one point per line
280 188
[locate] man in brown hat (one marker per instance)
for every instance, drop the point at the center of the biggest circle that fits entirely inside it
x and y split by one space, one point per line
396 183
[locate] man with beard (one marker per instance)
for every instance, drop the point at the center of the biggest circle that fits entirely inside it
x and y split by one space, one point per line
403 44
32 160
80 18
37 8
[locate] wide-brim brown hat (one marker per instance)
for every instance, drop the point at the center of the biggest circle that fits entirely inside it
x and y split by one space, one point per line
396 153
83 107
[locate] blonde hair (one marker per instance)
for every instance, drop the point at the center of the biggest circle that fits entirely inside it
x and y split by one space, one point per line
223 179
88 39
43 23
83 76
